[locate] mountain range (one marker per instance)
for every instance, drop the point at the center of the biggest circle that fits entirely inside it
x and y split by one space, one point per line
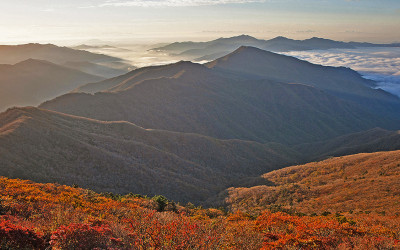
253 63
245 95
200 51
190 131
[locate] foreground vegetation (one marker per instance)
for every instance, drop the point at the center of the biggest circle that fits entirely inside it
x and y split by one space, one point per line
38 216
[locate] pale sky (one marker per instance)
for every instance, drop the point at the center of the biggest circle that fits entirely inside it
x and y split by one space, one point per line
74 21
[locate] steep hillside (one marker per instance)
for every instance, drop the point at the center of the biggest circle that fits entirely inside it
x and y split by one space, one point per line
120 157
194 99
33 81
358 183
362 142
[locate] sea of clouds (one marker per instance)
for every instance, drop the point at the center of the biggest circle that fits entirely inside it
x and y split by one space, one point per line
379 64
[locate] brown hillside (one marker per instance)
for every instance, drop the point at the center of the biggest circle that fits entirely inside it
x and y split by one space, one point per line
358 183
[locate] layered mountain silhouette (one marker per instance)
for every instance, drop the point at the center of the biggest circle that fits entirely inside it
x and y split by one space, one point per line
213 49
190 131
11 54
120 157
249 94
85 47
33 81
196 100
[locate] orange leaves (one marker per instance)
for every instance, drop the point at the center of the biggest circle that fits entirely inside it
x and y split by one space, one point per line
37 215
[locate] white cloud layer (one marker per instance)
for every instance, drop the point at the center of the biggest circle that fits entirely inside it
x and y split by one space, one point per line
379 64
174 3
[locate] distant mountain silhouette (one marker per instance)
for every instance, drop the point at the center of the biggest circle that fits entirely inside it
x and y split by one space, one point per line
11 54
33 81
121 157
212 49
188 97
85 46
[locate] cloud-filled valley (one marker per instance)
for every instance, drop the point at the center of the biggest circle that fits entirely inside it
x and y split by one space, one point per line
379 64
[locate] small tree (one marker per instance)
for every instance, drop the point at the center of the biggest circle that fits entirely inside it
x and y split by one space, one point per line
162 202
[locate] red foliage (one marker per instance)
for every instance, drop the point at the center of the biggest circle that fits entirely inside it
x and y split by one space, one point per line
83 236
15 236
72 218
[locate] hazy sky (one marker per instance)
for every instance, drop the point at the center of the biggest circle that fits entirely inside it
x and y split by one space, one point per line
74 21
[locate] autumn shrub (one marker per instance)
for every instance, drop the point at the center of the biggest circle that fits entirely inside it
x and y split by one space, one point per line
282 229
83 236
155 231
18 237
73 218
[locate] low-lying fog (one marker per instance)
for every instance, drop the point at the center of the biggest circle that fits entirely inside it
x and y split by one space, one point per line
138 55
379 64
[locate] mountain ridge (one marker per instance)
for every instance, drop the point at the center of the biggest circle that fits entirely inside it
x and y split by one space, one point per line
11 54
205 102
198 50
122 157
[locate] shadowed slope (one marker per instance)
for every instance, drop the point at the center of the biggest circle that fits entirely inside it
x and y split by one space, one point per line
33 81
195 99
120 157
362 142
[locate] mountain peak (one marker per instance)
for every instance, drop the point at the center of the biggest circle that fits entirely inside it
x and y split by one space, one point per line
253 51
243 36
244 48
280 38
239 38
243 53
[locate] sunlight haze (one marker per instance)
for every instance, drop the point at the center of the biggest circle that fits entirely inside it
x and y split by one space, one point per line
72 22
